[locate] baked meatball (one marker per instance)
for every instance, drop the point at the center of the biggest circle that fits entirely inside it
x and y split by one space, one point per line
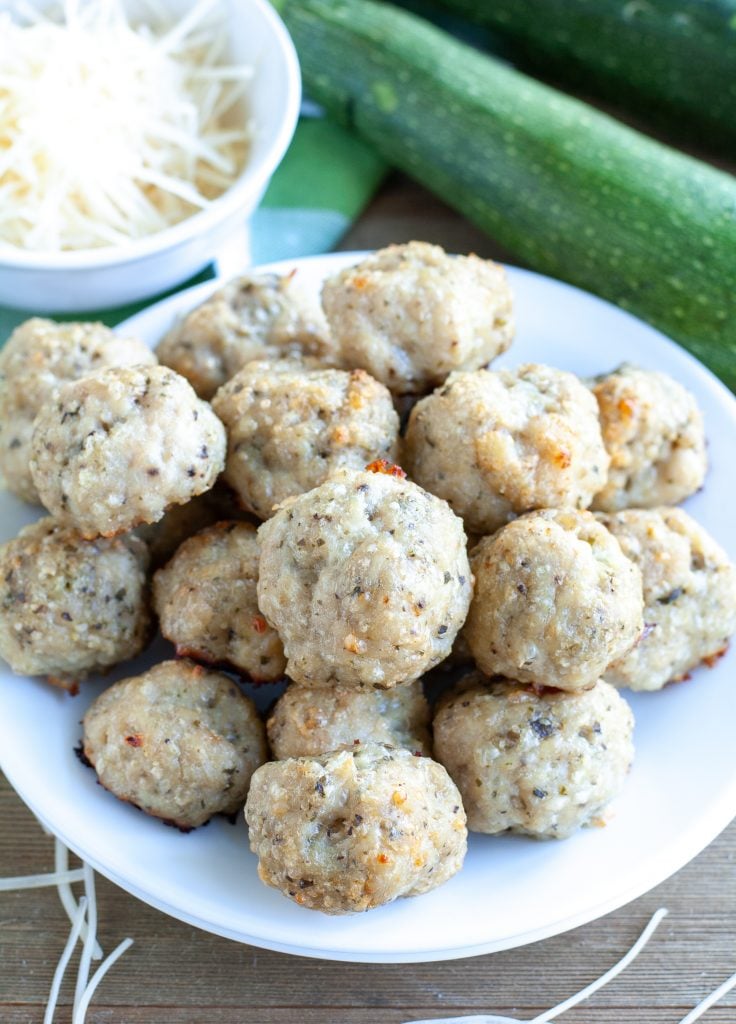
119 446
179 741
38 357
689 596
261 316
205 598
538 762
306 722
556 601
411 314
288 428
653 431
71 606
366 580
352 830
496 444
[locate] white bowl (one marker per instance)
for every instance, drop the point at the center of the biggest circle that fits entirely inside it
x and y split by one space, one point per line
100 278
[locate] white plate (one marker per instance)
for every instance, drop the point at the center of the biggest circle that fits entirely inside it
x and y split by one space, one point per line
512 890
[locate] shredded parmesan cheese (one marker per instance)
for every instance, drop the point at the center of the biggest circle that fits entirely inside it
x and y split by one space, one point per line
40 881
111 131
64 889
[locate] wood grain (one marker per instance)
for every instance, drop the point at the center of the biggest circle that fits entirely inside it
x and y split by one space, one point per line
175 974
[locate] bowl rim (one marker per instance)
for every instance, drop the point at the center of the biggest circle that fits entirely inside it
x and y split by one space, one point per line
255 177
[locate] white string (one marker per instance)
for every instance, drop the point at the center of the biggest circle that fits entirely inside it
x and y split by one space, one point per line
39 881
61 967
706 1004
556 1011
81 1010
68 902
86 957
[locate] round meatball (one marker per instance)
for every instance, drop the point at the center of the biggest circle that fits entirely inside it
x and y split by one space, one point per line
653 431
119 446
496 444
38 357
260 316
556 601
411 314
366 579
689 596
71 606
288 428
306 723
205 598
352 830
538 762
179 741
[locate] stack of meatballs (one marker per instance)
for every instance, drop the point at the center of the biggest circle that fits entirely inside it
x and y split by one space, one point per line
250 486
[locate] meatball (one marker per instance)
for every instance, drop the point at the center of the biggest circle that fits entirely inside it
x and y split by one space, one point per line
71 606
689 596
38 357
496 444
653 431
538 762
179 741
288 428
352 830
411 314
306 723
556 601
260 316
205 599
120 446
366 580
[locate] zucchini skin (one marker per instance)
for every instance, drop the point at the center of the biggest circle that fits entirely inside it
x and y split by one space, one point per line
568 190
673 61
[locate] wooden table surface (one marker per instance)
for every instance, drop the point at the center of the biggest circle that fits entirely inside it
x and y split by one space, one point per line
175 974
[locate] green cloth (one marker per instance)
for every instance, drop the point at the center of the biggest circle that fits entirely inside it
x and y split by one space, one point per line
324 182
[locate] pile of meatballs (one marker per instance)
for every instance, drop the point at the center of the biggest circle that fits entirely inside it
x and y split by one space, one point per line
250 486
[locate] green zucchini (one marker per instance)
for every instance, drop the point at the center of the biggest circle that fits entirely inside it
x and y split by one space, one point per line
568 190
673 61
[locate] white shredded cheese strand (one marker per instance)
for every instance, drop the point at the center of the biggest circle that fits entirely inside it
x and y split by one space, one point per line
39 881
66 896
556 1011
623 963
86 957
81 1012
61 967
109 131
697 1012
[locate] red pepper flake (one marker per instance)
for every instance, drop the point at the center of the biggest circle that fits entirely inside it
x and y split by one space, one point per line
384 466
382 858
259 624
135 740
